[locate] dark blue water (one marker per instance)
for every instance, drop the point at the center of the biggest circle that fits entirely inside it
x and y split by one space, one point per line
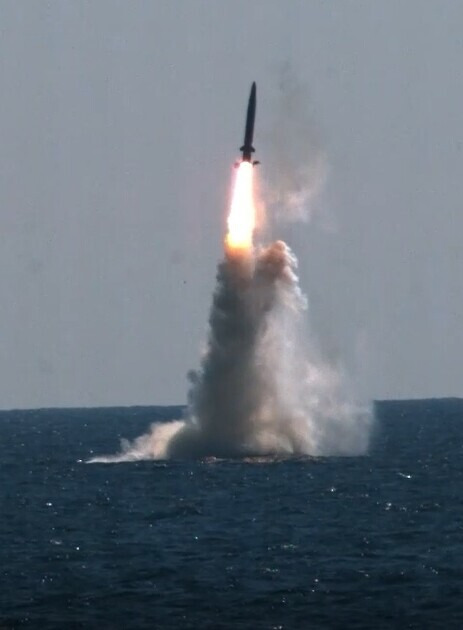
367 542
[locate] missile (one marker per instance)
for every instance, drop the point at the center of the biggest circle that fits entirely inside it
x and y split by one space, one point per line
247 147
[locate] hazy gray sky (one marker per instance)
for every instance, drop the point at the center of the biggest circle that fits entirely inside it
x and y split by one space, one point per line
119 123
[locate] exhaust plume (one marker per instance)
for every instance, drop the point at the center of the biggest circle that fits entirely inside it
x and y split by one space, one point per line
256 393
242 218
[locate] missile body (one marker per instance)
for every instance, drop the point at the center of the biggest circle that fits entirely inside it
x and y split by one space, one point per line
247 147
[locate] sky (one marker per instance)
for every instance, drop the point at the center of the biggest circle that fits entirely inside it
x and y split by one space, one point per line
119 125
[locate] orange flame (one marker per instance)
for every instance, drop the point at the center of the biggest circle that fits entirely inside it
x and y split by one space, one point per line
242 218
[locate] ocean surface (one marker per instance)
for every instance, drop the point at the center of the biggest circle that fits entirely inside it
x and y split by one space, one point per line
353 542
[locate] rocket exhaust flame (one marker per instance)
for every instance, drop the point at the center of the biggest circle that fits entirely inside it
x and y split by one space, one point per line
242 218
255 392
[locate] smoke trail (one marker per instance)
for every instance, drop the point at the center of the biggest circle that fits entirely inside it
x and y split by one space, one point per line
296 162
255 392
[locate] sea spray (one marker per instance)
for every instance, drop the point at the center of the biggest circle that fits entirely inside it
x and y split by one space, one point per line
261 388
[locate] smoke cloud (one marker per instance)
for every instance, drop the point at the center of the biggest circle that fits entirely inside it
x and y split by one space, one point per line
296 162
256 392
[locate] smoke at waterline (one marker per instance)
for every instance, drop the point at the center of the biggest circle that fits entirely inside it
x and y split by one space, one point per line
256 391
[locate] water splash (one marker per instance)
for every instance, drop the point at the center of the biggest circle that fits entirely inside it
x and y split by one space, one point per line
257 392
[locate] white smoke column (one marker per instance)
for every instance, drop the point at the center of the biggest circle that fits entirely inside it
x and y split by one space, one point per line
255 392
